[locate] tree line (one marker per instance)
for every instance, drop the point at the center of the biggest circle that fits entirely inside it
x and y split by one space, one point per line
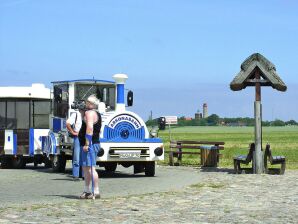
215 120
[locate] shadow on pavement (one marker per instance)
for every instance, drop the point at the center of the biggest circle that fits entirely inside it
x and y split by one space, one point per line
75 197
67 175
216 169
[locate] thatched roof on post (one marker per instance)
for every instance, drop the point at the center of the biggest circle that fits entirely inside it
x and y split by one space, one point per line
269 77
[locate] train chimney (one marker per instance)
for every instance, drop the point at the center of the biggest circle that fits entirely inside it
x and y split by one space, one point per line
120 81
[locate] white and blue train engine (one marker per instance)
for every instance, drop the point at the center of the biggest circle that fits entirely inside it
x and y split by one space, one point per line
124 137
125 140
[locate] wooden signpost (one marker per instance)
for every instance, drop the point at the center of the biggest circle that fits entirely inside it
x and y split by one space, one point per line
257 71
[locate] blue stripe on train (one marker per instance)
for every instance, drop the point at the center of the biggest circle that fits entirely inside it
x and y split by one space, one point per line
31 142
15 144
56 125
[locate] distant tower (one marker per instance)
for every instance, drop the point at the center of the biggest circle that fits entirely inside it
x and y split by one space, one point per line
205 110
198 115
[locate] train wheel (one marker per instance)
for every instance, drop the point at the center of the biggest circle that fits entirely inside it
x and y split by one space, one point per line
150 169
18 162
59 163
6 163
47 163
111 167
138 168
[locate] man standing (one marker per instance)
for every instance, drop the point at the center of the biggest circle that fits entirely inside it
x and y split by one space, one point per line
73 125
89 140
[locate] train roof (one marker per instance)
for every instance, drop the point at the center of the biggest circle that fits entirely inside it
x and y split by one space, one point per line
36 91
84 81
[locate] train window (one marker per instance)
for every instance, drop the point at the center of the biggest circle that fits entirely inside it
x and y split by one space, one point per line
22 115
15 114
11 121
41 111
2 114
105 93
111 98
61 100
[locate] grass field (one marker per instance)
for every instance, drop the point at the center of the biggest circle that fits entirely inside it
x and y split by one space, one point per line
283 141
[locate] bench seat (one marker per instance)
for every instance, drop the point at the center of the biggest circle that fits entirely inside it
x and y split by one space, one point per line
274 160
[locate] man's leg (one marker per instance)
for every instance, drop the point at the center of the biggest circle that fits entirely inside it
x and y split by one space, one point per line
87 177
95 179
76 158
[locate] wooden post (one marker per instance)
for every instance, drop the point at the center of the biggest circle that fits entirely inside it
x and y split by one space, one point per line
258 162
179 157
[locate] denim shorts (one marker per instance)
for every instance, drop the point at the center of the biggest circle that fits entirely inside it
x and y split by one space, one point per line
89 158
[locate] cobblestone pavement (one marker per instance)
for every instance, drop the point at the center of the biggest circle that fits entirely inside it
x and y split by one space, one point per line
190 196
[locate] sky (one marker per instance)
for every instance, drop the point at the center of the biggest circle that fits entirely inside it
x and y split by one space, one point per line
178 54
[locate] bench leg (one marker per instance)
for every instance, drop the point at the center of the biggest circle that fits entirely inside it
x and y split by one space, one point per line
179 157
283 168
236 166
266 167
171 158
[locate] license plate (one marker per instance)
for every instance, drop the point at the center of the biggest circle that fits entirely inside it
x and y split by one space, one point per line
129 155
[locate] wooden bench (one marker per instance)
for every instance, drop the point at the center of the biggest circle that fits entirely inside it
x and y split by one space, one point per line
209 151
274 160
243 159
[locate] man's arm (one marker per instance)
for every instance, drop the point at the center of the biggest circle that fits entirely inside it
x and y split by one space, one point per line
89 128
69 123
69 128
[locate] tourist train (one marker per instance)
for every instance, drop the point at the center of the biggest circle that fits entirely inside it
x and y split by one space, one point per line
124 139
24 119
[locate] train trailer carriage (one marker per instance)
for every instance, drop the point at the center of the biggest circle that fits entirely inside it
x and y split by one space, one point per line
24 119
124 137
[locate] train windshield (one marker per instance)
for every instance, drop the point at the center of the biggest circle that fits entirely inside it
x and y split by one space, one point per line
105 93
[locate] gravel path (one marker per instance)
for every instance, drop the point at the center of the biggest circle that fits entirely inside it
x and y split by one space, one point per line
175 195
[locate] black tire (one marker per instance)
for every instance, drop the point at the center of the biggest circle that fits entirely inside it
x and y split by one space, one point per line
6 163
59 163
138 168
111 167
18 162
47 163
150 169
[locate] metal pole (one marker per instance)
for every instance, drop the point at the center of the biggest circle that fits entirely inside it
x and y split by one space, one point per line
170 132
258 162
90 150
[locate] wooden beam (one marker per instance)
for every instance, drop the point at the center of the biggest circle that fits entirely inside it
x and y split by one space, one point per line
262 81
258 85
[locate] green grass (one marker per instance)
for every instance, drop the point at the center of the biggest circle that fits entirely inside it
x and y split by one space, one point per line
283 141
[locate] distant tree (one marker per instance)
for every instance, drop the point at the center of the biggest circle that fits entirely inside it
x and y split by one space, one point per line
277 122
265 123
153 122
291 122
213 119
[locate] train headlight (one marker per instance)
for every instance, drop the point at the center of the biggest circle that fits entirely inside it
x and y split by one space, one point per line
158 151
100 152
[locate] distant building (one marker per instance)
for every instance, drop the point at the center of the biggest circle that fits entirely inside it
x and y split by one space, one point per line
205 110
198 115
187 118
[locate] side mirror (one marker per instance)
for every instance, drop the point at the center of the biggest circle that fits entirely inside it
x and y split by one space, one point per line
129 98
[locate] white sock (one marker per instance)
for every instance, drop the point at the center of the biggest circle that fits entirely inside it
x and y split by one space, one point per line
87 189
96 190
